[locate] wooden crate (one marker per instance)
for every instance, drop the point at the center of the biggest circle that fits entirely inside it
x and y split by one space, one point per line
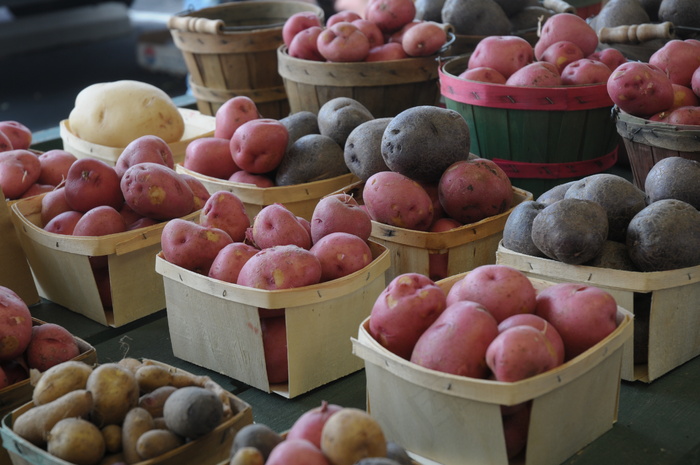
15 272
466 247
217 325
300 199
18 394
209 449
197 125
460 417
62 271
665 301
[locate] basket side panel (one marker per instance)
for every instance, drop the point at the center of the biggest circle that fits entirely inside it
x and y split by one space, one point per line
567 130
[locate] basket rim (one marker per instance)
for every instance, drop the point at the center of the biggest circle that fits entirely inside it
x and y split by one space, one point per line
567 98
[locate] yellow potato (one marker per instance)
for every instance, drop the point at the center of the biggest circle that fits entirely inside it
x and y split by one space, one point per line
137 422
112 435
115 392
351 434
60 379
115 113
151 377
76 441
157 442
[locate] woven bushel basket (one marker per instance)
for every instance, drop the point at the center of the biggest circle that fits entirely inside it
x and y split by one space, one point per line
540 136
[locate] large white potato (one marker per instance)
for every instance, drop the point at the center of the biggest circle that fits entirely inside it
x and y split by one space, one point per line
116 113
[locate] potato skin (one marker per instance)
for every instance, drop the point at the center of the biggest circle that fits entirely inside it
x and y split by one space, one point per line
137 422
77 441
156 191
281 267
157 442
350 435
258 436
115 392
192 411
60 379
397 200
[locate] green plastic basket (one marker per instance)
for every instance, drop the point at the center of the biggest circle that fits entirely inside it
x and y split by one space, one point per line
541 136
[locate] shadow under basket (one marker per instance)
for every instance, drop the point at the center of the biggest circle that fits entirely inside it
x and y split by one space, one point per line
231 50
647 142
540 136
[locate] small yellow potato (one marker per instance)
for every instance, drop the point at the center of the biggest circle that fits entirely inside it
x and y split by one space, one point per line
112 435
77 441
151 377
131 363
115 392
136 422
60 379
350 435
247 456
157 442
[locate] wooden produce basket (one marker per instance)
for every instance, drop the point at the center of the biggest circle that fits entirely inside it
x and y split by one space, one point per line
62 271
209 449
385 88
540 136
665 305
18 394
460 417
15 272
300 199
465 247
216 325
647 142
231 50
197 125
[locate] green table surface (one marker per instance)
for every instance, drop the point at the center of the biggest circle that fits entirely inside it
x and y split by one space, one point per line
658 423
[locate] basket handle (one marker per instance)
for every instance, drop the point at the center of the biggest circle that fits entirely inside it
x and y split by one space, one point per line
559 6
200 25
636 33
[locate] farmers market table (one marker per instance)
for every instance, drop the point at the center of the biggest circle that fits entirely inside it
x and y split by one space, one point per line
658 423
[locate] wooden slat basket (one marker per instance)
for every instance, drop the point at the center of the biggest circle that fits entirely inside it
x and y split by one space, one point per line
15 272
231 50
217 325
460 417
647 142
63 273
541 136
196 125
209 449
300 199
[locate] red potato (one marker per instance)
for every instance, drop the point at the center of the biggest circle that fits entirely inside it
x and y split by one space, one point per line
640 89
210 156
684 115
50 345
53 203
199 190
483 74
394 199
585 71
146 148
347 16
341 254
456 342
305 45
229 261
612 57
432 189
281 267
224 210
14 371
297 23
561 53
296 451
305 223
232 114
19 169
15 325
54 166
275 225
100 221
258 145
515 430
678 59
371 30
505 54
343 42
550 332
566 26
104 286
684 97
404 310
20 136
537 74
390 15
424 39
258 180
37 189
5 143
155 191
583 315
310 424
520 352
91 183
471 190
438 262
274 336
503 290
141 223
129 215
63 223
339 213
192 246
386 52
